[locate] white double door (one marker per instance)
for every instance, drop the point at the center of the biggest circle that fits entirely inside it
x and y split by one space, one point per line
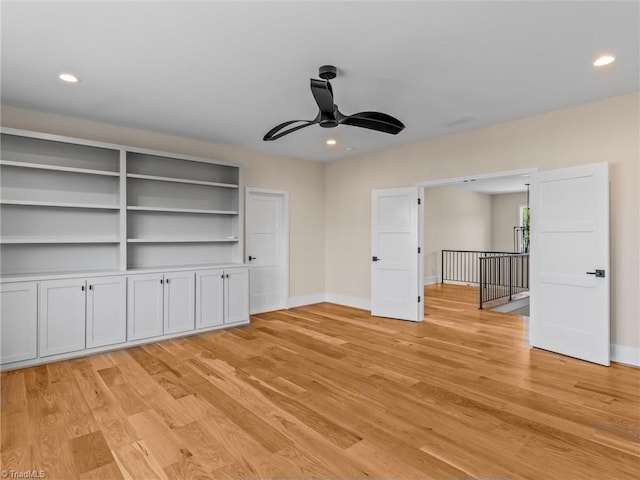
570 272
267 249
570 262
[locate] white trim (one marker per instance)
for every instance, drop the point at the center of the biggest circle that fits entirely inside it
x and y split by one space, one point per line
625 355
431 280
303 300
285 238
355 302
480 176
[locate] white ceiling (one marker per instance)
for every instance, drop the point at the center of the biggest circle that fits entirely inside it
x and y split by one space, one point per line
229 71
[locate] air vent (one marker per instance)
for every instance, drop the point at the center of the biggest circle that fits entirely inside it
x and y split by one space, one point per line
457 121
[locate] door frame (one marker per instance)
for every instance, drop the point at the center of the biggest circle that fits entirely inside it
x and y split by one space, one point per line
443 182
284 242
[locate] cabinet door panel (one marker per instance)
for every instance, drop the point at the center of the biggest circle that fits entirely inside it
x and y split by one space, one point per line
237 295
62 316
179 302
18 322
106 311
144 306
209 298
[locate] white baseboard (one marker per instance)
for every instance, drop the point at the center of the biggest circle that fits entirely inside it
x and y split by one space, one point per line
431 280
355 302
306 300
625 355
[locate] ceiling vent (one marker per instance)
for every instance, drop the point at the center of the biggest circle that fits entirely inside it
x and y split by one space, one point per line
457 121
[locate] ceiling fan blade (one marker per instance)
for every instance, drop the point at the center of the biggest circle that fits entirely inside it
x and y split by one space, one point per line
274 135
323 94
380 122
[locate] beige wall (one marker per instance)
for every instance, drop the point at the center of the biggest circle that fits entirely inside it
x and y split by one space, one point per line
304 180
505 214
454 219
606 130
330 248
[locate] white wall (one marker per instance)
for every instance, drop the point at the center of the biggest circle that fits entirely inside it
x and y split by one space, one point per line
505 214
304 180
606 130
454 219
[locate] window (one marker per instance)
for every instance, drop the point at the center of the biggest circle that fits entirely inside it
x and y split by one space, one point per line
522 232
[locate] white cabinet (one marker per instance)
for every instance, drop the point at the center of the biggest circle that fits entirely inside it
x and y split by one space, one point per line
62 316
145 306
160 304
18 321
222 297
106 311
179 303
81 313
237 295
209 298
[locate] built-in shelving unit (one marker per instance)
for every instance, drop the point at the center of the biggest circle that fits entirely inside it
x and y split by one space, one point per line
181 208
104 246
74 205
59 205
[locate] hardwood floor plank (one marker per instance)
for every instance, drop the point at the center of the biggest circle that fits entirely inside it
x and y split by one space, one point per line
90 452
327 391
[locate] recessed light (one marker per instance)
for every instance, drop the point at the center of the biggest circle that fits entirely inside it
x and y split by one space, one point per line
68 77
604 60
331 141
349 149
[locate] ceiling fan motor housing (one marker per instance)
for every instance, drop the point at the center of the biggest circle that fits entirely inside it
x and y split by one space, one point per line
327 72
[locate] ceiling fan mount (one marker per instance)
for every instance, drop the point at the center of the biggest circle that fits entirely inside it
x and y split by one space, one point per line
327 72
329 116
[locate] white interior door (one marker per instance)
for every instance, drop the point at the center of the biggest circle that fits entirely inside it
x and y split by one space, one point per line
570 262
267 249
396 290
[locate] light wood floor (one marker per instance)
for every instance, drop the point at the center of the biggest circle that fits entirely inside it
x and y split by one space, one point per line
329 392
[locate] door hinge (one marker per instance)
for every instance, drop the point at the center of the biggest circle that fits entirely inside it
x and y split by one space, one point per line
418 298
419 201
418 249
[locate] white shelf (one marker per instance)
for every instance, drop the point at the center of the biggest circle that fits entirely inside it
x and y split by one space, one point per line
30 203
180 180
183 210
181 240
57 168
34 240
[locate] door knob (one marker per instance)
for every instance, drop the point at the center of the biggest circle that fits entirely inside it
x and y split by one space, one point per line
375 259
252 258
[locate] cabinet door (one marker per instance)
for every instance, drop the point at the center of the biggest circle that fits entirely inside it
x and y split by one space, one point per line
106 311
62 316
237 295
144 306
209 298
18 321
179 302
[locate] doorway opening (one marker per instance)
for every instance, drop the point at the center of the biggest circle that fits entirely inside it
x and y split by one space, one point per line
475 239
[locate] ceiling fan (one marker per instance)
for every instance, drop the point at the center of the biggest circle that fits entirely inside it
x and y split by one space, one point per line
329 116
